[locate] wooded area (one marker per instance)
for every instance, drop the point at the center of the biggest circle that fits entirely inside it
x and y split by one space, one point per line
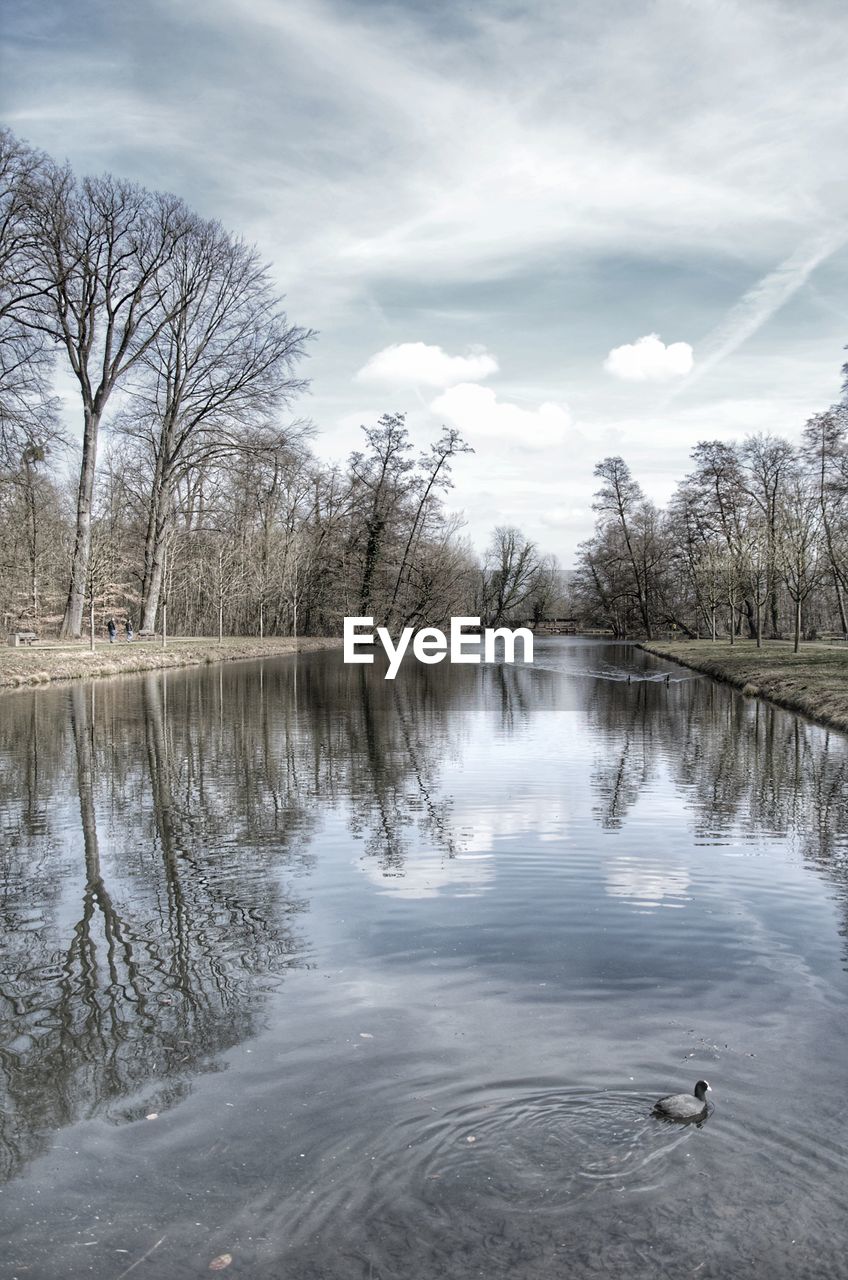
204 509
754 541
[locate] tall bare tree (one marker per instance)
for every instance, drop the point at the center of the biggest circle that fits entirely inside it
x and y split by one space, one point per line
800 522
380 488
767 461
510 575
103 251
435 464
221 363
619 500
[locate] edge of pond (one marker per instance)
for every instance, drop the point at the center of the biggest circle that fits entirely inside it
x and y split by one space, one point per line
37 668
797 687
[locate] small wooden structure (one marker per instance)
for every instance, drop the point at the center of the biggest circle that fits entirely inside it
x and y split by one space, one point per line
17 638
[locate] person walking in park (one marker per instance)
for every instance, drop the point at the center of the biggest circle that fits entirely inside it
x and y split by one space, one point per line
112 628
129 629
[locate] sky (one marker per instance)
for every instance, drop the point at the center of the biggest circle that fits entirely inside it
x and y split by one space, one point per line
569 229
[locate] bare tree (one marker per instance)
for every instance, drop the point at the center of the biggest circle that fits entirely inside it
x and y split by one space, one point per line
102 252
27 417
380 486
759 558
32 549
767 460
603 581
436 468
800 523
618 500
510 574
222 362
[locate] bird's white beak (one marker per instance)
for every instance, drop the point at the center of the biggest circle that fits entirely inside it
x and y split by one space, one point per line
709 1088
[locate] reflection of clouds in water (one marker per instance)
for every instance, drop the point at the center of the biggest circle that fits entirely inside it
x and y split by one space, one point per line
429 874
647 884
529 813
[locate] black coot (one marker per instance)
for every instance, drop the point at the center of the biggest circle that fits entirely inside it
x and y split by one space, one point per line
684 1106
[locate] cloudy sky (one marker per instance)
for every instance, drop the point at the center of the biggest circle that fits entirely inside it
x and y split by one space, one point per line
567 228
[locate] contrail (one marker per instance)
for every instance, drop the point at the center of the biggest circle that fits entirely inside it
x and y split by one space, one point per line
761 302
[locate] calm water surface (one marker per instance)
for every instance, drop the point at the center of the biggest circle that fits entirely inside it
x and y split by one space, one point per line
350 978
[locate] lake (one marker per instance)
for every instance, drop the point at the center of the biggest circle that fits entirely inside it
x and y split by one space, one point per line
305 973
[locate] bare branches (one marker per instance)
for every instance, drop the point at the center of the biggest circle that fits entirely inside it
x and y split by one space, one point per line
26 408
755 536
221 366
138 294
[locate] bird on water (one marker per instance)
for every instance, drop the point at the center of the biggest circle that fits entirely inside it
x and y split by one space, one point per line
684 1106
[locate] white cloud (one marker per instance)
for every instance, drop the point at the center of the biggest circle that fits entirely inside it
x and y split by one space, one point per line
477 412
421 364
648 359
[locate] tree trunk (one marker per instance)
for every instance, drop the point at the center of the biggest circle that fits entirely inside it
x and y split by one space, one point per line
372 552
150 535
154 543
72 621
775 616
32 537
154 585
840 600
149 548
797 624
834 566
774 607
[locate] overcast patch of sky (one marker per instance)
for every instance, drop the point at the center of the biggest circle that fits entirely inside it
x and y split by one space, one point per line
546 181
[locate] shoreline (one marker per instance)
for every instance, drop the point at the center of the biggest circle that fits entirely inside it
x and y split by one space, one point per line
813 682
54 663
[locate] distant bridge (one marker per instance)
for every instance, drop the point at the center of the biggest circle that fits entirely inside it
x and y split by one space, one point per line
551 626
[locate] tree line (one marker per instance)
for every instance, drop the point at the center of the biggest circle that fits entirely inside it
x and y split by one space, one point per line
191 497
754 541
205 509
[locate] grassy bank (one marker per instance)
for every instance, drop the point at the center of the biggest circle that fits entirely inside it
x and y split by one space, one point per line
48 662
814 681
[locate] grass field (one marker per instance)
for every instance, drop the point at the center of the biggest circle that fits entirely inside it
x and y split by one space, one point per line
46 662
814 681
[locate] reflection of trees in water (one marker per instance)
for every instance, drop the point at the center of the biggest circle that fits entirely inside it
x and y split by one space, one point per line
154 832
397 748
625 762
382 747
743 766
743 763
513 691
147 825
166 814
